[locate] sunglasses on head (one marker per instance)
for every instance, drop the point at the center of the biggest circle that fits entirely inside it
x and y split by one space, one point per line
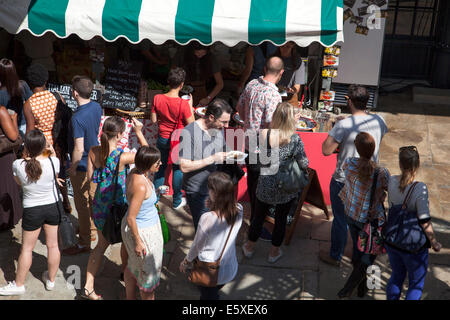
412 148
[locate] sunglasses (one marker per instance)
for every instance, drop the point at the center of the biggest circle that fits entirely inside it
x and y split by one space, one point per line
412 148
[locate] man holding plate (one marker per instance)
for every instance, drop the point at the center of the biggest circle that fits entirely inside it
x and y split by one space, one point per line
202 145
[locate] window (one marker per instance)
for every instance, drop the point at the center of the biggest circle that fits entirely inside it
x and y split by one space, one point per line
411 18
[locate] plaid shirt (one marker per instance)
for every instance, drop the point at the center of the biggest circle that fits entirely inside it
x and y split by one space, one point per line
356 194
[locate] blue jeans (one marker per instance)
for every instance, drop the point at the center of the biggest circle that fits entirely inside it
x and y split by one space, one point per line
210 293
197 206
415 264
177 178
339 227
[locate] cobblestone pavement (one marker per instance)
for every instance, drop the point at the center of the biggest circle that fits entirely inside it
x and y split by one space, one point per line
298 274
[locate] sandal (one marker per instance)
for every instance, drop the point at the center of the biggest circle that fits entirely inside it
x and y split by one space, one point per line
87 295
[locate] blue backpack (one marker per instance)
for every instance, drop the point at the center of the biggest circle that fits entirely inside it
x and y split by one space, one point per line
402 229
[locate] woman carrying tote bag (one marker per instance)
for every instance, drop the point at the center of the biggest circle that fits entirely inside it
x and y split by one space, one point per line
363 195
103 163
216 234
281 138
403 262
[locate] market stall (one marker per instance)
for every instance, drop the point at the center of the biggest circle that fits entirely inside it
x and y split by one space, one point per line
106 24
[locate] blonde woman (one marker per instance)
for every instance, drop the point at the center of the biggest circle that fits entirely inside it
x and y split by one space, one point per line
281 139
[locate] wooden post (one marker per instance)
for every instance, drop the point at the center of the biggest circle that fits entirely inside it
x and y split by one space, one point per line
312 194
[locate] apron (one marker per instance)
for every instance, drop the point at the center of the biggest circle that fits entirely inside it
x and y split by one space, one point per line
199 91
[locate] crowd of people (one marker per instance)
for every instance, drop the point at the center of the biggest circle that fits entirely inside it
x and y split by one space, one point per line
103 175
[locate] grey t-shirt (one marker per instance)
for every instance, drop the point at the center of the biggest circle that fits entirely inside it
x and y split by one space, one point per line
345 132
196 144
418 200
290 76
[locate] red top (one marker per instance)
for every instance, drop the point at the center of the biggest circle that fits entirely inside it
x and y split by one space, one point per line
167 110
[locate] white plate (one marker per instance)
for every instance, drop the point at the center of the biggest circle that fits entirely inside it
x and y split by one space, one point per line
236 155
200 111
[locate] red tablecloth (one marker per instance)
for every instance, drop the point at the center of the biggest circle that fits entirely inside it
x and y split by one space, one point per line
324 166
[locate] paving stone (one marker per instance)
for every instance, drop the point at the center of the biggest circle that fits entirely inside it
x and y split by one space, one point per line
262 283
441 153
299 253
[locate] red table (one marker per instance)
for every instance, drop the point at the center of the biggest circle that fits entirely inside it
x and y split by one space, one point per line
324 166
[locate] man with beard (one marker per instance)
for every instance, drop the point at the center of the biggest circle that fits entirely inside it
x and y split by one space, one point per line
202 146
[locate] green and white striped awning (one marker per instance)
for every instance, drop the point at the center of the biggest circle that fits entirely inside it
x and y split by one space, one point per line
228 21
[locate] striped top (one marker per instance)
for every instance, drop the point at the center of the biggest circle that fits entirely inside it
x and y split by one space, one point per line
208 21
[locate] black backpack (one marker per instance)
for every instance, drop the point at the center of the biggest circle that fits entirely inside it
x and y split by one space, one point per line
60 131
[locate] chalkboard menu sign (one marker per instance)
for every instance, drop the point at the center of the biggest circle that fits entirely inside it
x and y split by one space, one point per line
122 86
65 92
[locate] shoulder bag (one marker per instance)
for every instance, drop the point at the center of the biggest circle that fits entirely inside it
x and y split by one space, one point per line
66 231
112 228
370 240
290 178
402 229
206 274
7 145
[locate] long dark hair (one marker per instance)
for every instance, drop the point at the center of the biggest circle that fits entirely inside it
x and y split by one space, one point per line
365 145
190 61
224 202
409 161
10 80
34 144
112 127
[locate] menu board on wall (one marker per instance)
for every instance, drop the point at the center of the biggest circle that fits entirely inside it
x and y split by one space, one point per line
65 90
122 86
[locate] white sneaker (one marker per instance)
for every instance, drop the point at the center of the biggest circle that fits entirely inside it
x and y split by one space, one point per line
182 204
12 290
48 284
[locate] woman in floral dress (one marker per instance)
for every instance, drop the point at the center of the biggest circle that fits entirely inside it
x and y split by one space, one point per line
102 164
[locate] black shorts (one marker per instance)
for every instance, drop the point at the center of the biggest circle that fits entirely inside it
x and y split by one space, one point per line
35 217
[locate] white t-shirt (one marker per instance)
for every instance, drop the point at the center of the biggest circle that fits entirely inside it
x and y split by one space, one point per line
209 240
345 132
41 192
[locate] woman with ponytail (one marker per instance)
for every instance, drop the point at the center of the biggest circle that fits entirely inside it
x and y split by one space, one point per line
403 262
359 178
102 164
36 175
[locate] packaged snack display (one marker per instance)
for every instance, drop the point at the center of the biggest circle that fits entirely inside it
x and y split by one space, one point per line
329 73
330 61
327 95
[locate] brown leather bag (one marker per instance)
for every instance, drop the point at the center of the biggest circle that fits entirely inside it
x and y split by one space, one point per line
7 145
206 274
